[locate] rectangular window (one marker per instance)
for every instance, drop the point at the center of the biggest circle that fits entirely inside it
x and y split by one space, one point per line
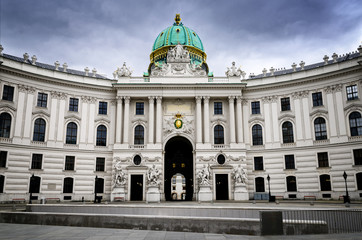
289 162
102 108
258 163
69 163
42 100
217 108
352 92
36 161
285 103
317 99
323 159
140 108
255 107
357 154
3 158
100 164
73 104
8 93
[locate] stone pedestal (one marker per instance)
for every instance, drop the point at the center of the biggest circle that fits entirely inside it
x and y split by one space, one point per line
118 194
205 194
153 194
241 193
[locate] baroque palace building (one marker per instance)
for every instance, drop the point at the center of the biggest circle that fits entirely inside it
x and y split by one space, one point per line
178 132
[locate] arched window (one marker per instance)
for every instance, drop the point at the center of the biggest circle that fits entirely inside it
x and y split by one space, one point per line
325 181
99 185
2 181
320 129
71 133
259 184
291 184
5 124
219 134
68 185
287 129
257 132
355 124
101 136
359 180
34 186
39 130
139 135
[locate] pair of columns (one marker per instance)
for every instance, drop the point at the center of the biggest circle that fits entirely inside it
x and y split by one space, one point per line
232 127
123 127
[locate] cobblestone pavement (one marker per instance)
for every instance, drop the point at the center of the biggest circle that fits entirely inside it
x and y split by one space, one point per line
37 232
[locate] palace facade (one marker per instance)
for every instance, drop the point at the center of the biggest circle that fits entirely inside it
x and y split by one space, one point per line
67 134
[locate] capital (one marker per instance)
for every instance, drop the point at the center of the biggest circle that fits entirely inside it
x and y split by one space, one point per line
127 99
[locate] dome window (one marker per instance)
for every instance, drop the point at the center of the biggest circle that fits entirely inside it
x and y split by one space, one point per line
194 34
161 34
177 30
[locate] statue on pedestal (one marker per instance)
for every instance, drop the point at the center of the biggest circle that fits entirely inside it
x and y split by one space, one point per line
239 175
153 176
204 175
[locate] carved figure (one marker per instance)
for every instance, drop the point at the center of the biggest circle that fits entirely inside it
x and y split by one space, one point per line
119 179
204 175
233 71
153 175
239 175
124 71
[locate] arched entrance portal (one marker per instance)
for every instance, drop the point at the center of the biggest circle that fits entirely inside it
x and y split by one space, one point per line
179 168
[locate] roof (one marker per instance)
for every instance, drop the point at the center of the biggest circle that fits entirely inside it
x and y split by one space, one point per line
52 67
278 72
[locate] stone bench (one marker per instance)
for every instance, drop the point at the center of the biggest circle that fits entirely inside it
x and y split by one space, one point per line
18 200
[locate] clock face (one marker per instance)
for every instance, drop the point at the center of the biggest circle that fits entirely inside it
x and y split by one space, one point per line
178 123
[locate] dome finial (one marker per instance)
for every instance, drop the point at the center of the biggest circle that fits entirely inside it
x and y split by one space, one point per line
177 18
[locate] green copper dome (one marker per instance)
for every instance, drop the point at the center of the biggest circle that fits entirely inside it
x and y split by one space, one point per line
175 34
178 34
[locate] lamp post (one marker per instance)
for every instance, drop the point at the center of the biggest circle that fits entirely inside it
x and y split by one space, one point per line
31 188
268 178
346 197
95 189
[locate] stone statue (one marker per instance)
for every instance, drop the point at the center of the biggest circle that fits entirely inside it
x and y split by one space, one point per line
119 179
239 175
153 175
204 175
233 71
178 54
124 71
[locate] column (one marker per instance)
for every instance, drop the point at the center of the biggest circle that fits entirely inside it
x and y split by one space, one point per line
206 120
84 121
331 114
60 131
198 120
28 113
159 119
53 116
126 119
298 116
19 113
274 114
340 112
91 116
232 118
239 117
119 119
151 116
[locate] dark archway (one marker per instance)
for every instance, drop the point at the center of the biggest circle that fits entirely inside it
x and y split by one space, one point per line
179 159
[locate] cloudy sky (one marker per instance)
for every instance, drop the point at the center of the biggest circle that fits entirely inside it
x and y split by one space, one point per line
103 34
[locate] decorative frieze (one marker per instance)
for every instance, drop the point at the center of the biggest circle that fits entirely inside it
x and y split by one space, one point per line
26 89
269 99
333 88
58 95
300 94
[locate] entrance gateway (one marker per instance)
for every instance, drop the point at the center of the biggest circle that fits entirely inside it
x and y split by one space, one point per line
179 170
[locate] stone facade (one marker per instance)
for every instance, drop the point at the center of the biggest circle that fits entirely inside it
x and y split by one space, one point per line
72 131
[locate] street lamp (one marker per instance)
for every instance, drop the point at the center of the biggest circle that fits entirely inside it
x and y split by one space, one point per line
268 178
31 187
95 189
346 197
